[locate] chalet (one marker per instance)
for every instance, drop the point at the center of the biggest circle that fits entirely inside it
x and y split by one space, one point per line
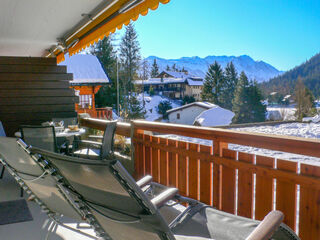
174 85
88 77
187 114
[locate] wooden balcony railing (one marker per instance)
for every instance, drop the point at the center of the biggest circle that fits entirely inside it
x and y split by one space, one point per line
236 182
100 113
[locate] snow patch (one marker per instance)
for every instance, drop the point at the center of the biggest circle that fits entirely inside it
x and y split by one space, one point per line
216 116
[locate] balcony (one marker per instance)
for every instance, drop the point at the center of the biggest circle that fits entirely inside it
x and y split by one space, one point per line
236 182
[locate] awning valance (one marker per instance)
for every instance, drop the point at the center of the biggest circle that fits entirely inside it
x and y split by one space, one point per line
120 13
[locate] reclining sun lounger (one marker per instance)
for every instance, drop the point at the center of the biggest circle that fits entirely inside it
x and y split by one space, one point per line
116 206
43 187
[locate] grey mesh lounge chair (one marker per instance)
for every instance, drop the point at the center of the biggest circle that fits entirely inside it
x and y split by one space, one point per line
118 208
41 186
97 150
43 137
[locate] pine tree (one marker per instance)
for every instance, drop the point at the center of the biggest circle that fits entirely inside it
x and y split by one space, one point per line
174 67
107 95
130 62
247 104
240 101
230 83
168 68
135 110
163 107
305 101
154 69
213 84
258 110
130 57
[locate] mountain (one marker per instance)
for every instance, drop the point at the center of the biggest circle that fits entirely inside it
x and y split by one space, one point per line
309 72
258 70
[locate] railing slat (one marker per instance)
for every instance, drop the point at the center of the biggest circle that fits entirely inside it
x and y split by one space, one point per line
155 160
205 177
193 173
228 183
182 170
245 187
147 155
163 163
172 162
286 194
309 221
139 166
264 189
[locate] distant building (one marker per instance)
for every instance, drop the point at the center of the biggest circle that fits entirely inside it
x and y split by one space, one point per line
88 77
174 85
187 114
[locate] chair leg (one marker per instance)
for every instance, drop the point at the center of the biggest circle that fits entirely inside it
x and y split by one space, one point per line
21 192
2 171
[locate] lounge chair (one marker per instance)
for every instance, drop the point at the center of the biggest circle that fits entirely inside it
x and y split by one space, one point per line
42 187
97 150
43 137
116 206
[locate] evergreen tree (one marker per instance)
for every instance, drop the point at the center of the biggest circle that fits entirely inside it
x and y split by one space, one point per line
154 69
230 83
240 102
213 84
174 67
135 110
151 91
130 57
107 95
144 70
305 101
257 109
168 68
130 62
247 104
163 107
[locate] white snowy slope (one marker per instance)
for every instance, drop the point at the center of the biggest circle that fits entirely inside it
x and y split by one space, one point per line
216 116
197 66
151 105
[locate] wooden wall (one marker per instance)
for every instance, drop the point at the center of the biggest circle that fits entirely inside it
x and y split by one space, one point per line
34 90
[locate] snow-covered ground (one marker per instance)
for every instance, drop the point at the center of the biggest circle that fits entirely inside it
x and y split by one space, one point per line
306 130
281 113
151 105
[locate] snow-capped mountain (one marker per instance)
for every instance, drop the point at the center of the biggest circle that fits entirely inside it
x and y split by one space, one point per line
197 66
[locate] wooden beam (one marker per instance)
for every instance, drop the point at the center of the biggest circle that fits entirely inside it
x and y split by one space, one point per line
37 93
27 61
32 69
36 77
39 100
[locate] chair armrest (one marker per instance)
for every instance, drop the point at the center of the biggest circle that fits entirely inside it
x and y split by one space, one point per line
144 181
267 227
164 197
89 144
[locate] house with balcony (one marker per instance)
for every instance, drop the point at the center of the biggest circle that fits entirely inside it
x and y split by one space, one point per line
67 197
175 85
88 77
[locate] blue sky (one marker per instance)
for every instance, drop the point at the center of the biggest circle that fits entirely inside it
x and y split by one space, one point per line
283 33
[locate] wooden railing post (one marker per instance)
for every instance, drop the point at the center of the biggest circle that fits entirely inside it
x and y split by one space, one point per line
136 152
218 147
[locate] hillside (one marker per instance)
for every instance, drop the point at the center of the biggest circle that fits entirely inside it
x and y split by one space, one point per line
258 70
285 84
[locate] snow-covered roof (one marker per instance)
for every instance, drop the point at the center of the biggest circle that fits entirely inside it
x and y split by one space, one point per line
215 116
86 69
155 81
195 81
175 74
205 105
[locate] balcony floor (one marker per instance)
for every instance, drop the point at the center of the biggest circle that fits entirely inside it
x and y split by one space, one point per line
38 228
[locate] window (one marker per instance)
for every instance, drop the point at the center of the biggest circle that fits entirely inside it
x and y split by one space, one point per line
178 115
85 101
